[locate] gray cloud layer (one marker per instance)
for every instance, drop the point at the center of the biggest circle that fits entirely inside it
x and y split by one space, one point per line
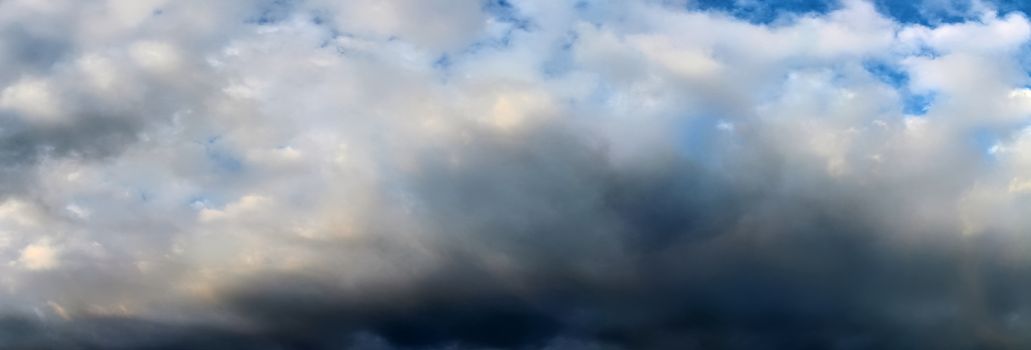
523 174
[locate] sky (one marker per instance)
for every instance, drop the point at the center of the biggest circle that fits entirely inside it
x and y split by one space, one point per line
515 174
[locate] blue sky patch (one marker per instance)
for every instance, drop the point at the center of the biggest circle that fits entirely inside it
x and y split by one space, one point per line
917 104
764 12
926 12
272 12
887 73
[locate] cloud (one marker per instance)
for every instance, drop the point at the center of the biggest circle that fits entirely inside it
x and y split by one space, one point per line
525 174
38 256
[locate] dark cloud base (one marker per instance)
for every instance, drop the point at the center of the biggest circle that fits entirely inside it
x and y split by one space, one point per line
695 260
855 301
541 238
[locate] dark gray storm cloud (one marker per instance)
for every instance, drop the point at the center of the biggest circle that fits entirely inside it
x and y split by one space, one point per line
661 255
524 175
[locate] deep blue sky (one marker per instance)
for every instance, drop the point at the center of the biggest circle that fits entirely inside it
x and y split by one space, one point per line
919 11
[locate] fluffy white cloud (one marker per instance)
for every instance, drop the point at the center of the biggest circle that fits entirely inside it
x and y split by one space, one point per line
173 153
38 256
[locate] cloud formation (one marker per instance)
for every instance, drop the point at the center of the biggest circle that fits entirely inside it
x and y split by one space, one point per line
520 174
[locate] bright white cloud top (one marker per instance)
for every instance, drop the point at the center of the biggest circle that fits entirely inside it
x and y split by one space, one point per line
512 174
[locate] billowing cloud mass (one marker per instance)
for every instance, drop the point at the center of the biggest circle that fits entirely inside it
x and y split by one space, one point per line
521 174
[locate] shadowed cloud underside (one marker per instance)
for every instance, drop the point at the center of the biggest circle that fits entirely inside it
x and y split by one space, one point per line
522 174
